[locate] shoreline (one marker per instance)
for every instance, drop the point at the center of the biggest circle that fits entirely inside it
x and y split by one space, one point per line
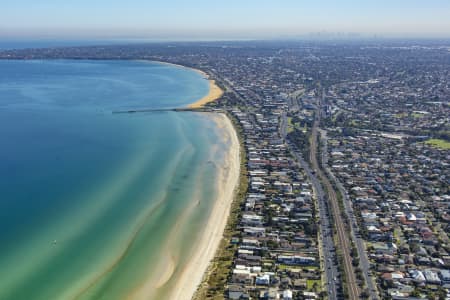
197 268
207 245
191 276
206 242
214 93
193 273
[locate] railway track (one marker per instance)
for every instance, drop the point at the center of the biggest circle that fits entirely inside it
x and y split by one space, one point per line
343 239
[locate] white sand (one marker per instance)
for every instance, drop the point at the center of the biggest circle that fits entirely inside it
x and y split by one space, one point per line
190 277
208 243
214 93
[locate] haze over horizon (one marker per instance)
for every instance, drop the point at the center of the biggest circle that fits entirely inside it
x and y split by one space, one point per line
201 19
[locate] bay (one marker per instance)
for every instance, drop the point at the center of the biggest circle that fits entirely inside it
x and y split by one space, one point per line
90 200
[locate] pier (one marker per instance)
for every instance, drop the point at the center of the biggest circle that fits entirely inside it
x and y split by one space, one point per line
145 110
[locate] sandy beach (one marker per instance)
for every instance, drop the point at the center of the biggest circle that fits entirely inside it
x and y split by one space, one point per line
215 92
191 276
185 281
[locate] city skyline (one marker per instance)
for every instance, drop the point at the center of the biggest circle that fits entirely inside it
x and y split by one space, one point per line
202 19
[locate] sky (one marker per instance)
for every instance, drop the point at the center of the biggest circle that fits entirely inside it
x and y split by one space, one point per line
212 19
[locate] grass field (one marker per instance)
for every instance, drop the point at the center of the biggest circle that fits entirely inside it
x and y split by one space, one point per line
290 126
438 143
310 285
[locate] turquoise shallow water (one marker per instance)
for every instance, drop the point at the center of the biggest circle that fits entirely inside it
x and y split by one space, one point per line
91 202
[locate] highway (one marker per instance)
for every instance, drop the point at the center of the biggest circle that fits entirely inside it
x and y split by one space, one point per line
342 236
327 249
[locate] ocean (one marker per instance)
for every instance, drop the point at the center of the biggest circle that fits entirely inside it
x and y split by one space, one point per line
92 202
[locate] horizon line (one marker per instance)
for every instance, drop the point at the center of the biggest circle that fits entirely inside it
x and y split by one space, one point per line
198 35
311 37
